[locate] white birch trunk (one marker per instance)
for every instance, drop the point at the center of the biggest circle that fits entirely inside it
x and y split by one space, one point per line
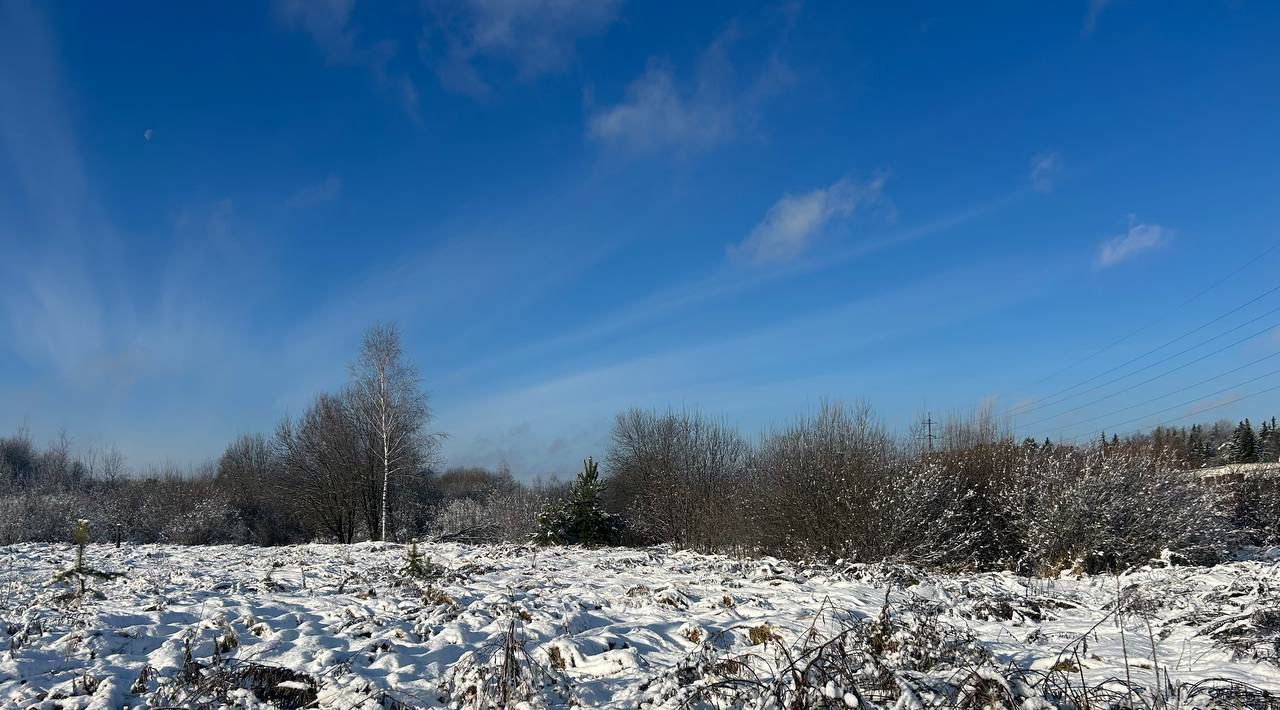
386 444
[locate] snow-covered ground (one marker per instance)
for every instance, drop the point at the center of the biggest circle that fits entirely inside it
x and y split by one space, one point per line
339 625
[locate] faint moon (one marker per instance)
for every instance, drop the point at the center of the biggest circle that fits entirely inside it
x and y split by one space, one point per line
147 134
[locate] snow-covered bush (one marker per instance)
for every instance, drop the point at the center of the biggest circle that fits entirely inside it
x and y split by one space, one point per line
817 485
837 486
466 517
1108 508
46 517
505 510
1253 506
954 508
210 521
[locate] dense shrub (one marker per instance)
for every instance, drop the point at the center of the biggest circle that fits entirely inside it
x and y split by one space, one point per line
673 478
1110 508
1252 505
837 485
816 484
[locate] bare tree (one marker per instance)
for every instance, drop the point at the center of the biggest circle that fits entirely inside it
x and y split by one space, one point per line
249 474
113 466
320 456
392 408
58 461
673 477
819 481
89 461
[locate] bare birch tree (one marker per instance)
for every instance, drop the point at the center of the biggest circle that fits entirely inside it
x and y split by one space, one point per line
392 408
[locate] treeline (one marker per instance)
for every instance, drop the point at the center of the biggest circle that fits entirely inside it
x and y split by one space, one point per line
1216 444
247 497
362 464
838 485
357 464
832 485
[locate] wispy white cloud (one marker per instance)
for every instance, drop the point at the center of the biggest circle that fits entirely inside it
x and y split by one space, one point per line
722 283
57 321
536 37
326 21
48 264
329 25
410 99
90 331
655 113
1045 170
326 190
793 222
1140 238
1096 8
1225 400
456 40
660 111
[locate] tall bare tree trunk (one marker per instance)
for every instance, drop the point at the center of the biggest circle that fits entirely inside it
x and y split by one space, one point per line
386 461
393 412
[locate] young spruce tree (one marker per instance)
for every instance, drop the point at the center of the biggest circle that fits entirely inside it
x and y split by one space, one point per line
580 519
1243 447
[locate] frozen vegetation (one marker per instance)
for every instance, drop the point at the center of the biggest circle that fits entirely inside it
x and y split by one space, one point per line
374 625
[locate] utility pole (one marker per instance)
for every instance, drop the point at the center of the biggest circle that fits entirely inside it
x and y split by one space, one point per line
928 424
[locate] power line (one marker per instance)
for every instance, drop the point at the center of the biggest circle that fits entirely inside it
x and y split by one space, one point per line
1184 365
1022 409
1159 320
1180 390
1197 399
1170 357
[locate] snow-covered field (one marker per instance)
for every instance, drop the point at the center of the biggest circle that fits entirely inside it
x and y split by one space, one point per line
341 627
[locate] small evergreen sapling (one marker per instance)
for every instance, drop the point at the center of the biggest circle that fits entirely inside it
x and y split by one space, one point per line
417 565
80 536
78 571
580 519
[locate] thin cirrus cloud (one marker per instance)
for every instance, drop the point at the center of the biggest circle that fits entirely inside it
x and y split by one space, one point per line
326 190
794 221
577 399
719 284
1045 170
1140 239
662 111
327 22
87 326
329 25
1096 8
537 37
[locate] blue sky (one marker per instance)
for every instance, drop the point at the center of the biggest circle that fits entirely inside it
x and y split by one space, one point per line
572 208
